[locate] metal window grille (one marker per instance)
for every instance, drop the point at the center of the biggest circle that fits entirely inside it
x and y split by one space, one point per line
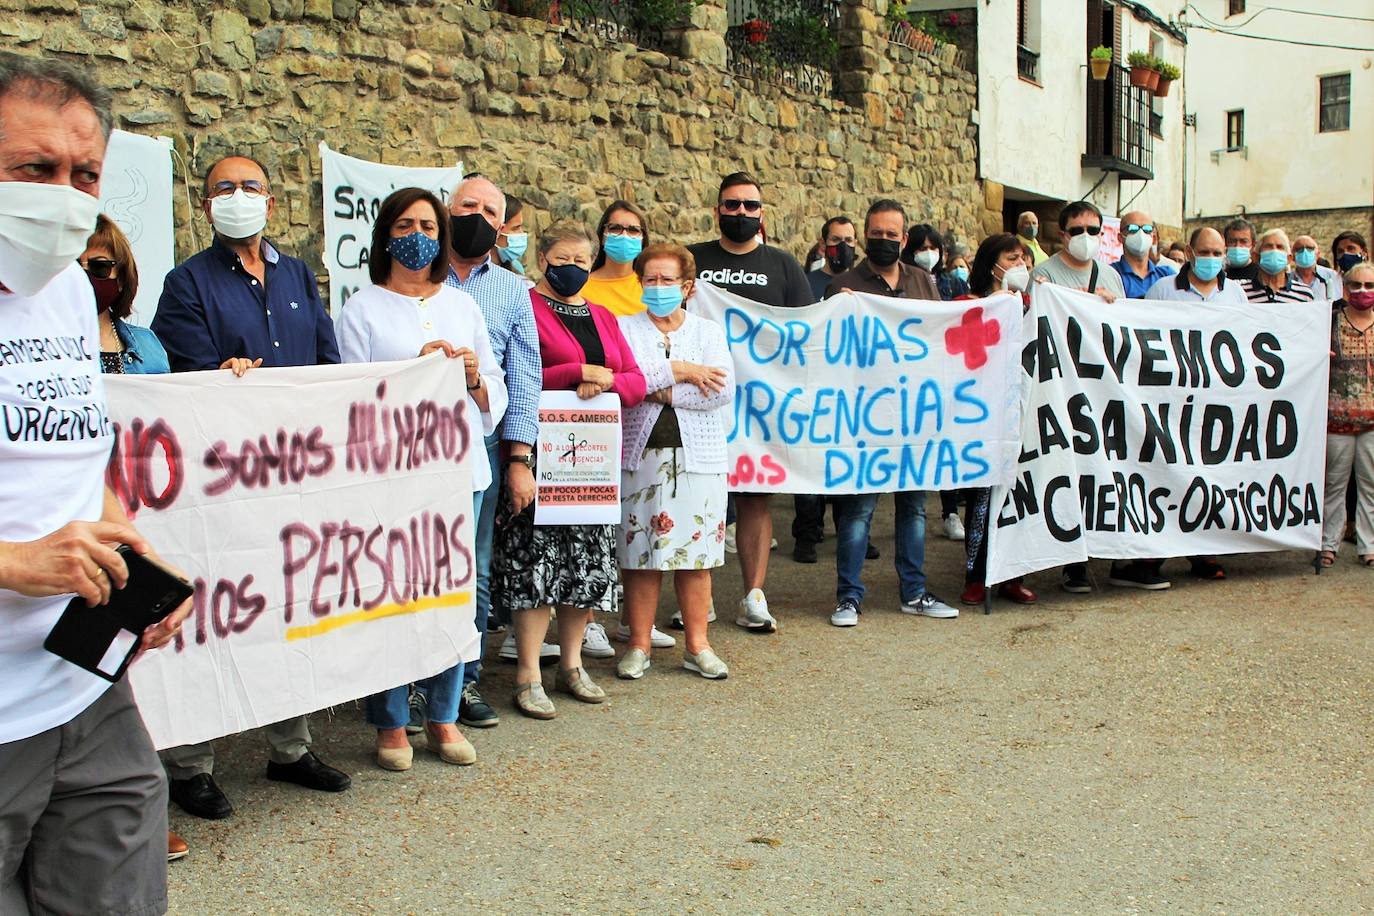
791 42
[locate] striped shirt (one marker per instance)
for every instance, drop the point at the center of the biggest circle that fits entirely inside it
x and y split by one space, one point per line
504 299
1293 291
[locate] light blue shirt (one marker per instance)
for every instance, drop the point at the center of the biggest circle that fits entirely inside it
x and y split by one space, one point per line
1179 288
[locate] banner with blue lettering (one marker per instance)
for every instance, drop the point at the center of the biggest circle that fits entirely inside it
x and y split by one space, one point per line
870 394
1164 429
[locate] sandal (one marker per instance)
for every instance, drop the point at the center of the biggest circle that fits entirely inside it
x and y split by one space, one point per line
575 681
531 700
1327 558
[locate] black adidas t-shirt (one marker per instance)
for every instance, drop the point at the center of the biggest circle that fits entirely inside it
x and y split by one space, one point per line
768 275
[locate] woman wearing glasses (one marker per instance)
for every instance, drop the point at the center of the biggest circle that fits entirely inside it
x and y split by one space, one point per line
673 461
125 349
1350 417
622 233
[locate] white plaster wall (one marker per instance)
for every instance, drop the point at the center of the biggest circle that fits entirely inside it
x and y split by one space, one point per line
1288 165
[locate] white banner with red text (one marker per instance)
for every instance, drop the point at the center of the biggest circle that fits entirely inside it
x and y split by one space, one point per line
870 394
324 515
1163 429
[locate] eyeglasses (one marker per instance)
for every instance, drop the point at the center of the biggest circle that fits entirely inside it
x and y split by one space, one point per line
1361 287
1079 230
251 187
100 268
730 205
1132 229
633 232
660 281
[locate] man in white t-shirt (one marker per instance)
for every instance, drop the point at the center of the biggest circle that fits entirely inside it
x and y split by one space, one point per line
83 804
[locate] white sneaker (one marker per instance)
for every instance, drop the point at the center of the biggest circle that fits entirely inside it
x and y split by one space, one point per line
633 665
707 664
676 621
509 654
594 642
657 638
730 539
753 613
927 605
846 614
954 528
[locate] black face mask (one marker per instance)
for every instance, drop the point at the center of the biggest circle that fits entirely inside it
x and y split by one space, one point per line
566 280
883 252
472 235
739 229
839 258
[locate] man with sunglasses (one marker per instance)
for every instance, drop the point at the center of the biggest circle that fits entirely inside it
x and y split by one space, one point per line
242 303
1075 265
1138 273
738 262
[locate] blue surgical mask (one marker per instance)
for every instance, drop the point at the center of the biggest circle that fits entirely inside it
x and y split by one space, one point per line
415 251
622 248
1274 261
960 274
662 300
1305 258
1206 269
1237 256
517 243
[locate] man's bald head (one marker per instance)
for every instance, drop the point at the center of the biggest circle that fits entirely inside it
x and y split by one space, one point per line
1206 242
1138 217
479 195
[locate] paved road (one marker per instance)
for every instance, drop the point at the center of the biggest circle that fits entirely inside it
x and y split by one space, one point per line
1202 749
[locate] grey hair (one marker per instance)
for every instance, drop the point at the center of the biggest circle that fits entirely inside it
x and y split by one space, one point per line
1274 233
56 81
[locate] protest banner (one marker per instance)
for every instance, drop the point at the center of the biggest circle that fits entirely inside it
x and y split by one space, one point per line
577 478
1162 429
136 192
324 515
353 193
1110 246
870 394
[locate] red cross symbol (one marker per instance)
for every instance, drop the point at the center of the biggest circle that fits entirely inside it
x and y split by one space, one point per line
972 337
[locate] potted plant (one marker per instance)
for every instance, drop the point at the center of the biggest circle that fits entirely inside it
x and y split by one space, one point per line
1100 59
1143 72
756 30
1167 74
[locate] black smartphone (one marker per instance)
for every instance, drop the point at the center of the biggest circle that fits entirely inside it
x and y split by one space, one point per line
103 640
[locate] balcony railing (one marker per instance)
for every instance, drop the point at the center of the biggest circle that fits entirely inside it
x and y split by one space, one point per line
1119 136
1027 64
791 42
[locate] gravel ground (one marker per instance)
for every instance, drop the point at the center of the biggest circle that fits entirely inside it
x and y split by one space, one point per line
1203 749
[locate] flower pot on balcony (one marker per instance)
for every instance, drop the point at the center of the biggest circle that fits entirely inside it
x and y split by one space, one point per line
1144 78
1162 87
1100 68
756 31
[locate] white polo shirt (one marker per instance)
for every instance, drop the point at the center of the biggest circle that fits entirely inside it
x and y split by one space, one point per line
1180 288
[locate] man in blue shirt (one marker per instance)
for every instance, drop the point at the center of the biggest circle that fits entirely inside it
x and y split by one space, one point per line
1138 272
241 302
477 211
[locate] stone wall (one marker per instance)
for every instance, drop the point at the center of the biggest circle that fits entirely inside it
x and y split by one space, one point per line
558 116
1322 225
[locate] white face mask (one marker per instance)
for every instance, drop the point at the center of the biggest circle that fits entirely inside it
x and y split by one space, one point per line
1083 246
927 259
43 230
238 215
1016 279
1139 243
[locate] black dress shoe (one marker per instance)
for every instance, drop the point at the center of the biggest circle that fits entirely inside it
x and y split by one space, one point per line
872 553
804 552
474 712
200 797
311 772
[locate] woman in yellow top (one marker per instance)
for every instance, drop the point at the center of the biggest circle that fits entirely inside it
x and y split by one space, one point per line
623 233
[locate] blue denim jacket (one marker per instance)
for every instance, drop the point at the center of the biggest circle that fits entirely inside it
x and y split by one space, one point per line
143 352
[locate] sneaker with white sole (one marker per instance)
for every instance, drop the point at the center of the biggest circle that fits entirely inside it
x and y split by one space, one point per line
547 652
707 664
753 613
730 539
927 605
657 639
846 614
676 621
595 643
954 527
633 665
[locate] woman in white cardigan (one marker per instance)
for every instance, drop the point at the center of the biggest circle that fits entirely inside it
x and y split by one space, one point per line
673 462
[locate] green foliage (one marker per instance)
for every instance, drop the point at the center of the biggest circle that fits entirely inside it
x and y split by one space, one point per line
1141 60
661 15
796 33
1168 71
1101 52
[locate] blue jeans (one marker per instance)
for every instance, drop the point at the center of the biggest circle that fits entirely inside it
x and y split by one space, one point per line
484 504
854 517
391 708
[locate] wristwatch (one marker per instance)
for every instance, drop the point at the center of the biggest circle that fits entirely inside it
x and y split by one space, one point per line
526 459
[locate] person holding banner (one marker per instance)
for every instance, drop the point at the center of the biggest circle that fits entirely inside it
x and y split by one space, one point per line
409 311
1274 281
570 567
674 462
622 233
1350 423
1202 278
1075 265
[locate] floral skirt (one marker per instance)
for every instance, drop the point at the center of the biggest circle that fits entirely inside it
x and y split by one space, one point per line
671 518
535 566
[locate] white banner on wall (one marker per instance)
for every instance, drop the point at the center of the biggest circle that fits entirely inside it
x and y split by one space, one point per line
1163 429
325 517
353 192
870 394
136 192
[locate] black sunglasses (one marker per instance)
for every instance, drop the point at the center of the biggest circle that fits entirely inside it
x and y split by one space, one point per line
748 206
1079 230
100 268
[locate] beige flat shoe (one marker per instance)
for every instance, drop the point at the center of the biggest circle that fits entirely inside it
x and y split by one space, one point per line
460 753
707 664
396 759
633 665
576 682
532 701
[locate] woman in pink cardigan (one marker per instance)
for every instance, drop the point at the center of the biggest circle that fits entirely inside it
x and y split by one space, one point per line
571 567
